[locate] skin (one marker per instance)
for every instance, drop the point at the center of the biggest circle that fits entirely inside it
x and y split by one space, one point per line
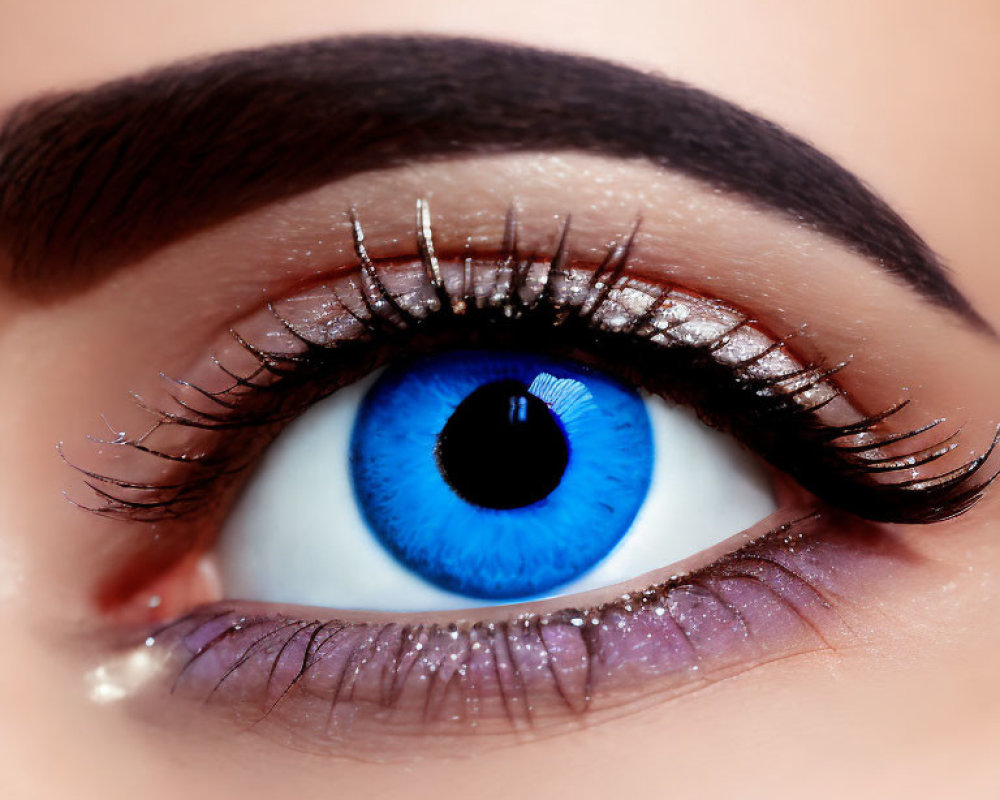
901 707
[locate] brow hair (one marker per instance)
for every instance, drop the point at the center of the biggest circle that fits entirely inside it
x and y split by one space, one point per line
93 180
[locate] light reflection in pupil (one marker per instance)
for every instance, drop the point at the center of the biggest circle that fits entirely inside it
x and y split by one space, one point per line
499 474
502 447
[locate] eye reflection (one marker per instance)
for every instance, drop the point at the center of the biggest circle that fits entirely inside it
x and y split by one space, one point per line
503 446
490 521
499 533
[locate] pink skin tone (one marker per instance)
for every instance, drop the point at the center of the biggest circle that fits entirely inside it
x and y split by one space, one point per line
891 691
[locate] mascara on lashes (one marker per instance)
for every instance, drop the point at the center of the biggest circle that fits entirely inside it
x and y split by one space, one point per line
669 340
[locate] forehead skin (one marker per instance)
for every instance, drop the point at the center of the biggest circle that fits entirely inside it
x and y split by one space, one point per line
905 95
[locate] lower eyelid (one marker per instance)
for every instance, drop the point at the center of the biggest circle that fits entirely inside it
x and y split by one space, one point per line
338 683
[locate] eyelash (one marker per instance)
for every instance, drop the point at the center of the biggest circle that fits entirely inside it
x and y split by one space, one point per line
397 658
770 411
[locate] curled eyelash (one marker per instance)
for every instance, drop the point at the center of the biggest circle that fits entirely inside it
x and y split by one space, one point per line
672 342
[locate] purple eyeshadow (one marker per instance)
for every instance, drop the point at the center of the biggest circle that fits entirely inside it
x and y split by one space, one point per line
327 683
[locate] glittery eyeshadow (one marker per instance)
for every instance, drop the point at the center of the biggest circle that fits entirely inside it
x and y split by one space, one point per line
339 682
663 338
666 316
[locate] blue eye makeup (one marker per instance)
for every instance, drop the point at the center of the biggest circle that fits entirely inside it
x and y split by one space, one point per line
500 475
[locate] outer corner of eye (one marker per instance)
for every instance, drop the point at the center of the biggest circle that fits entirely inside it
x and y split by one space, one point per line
482 477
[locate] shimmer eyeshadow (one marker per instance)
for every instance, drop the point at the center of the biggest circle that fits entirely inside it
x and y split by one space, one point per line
342 682
665 339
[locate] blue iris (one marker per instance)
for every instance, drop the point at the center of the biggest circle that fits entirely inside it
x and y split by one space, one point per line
499 474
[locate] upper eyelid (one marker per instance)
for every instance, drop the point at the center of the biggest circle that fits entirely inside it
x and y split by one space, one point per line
96 470
117 147
934 496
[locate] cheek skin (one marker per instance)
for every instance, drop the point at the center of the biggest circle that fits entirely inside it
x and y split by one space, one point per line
399 689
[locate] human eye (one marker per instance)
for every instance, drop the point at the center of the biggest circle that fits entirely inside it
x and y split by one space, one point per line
392 298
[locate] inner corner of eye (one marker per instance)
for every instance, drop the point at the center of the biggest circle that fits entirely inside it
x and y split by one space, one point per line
483 477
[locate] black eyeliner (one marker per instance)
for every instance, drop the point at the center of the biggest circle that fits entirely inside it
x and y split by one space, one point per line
738 379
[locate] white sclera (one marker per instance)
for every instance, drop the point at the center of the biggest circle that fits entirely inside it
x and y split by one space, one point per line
297 536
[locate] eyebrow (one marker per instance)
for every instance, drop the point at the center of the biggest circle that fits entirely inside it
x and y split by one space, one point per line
91 181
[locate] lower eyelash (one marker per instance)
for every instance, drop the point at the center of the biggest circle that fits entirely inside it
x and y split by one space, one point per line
334 678
670 341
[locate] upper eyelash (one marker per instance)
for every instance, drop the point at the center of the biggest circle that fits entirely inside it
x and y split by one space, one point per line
828 459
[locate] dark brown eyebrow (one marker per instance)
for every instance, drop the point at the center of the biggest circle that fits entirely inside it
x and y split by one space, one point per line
92 180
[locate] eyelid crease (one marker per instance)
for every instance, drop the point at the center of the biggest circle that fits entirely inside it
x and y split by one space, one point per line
110 156
760 391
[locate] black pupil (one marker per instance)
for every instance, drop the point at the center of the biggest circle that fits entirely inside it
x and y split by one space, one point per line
502 448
